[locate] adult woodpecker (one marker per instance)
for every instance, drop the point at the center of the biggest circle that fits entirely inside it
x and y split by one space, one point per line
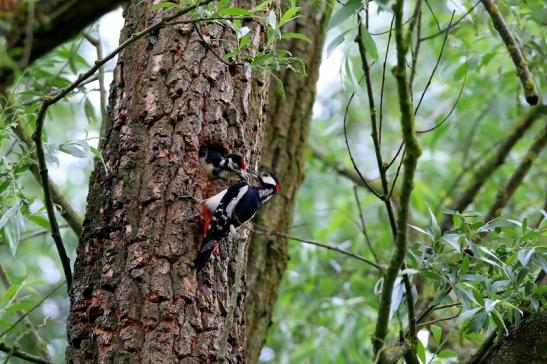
220 165
232 208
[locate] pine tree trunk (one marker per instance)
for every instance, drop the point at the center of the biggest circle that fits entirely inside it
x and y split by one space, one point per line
136 296
285 143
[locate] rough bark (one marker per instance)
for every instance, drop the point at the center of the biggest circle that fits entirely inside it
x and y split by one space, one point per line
136 296
53 22
525 344
284 149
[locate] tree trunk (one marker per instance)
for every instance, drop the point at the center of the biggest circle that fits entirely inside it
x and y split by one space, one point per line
285 142
136 296
526 344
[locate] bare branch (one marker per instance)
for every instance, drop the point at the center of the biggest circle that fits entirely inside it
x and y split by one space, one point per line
13 351
490 164
363 225
452 108
322 245
413 152
339 168
528 84
435 67
505 194
383 83
453 25
68 213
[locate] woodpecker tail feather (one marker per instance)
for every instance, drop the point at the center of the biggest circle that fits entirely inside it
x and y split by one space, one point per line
204 255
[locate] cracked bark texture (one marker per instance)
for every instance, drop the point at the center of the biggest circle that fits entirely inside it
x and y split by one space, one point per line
136 296
285 141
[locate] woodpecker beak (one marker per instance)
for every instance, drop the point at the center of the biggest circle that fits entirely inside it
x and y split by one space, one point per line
253 173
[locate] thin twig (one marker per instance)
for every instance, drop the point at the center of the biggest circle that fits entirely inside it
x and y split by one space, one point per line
413 152
322 245
396 175
521 65
438 320
371 105
433 15
38 341
492 162
448 28
208 46
395 156
22 354
339 167
504 194
363 225
383 83
363 179
48 201
436 65
452 108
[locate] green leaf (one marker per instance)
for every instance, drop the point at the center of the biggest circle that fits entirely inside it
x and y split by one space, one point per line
346 12
452 240
89 110
498 321
336 42
244 41
437 334
524 256
447 353
289 14
420 351
261 6
295 36
235 12
468 314
72 150
369 45
272 19
9 213
40 221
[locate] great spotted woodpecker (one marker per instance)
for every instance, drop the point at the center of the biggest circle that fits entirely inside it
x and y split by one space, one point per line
220 165
231 208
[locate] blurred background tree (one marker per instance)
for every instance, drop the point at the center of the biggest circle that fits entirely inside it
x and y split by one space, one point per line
487 141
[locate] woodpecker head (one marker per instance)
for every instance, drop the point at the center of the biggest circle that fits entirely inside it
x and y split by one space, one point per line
237 164
269 184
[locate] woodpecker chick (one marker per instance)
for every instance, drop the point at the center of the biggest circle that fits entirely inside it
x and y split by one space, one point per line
232 208
220 165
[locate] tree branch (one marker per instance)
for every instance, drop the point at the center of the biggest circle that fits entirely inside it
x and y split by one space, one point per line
53 23
67 212
363 225
505 194
453 25
13 351
490 164
339 168
322 245
528 84
413 152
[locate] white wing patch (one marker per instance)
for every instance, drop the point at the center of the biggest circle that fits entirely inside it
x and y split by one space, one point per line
232 204
269 180
213 202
